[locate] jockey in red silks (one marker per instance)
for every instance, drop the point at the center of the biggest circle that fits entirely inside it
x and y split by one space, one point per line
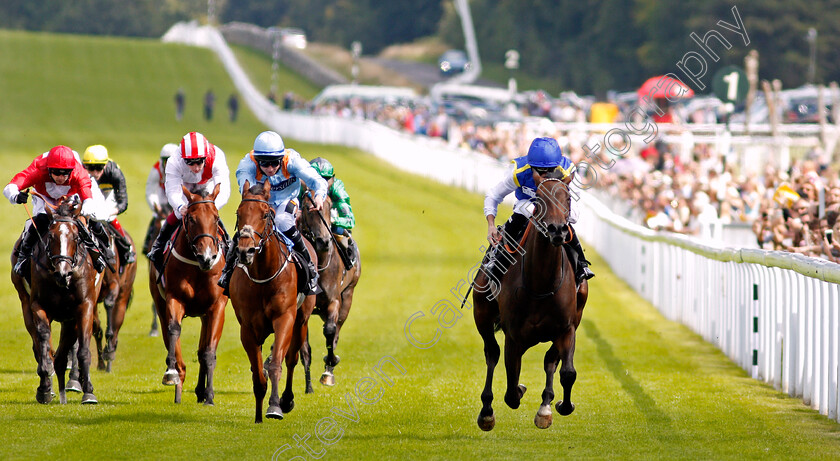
53 175
199 168
544 156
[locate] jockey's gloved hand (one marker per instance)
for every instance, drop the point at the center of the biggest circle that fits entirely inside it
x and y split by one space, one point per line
22 197
88 208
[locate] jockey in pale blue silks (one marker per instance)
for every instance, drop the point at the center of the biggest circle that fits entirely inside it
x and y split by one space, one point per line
544 156
283 169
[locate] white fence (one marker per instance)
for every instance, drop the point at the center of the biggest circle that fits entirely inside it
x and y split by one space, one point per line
775 314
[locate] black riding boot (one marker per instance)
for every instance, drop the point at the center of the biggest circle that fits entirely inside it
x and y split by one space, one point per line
98 230
500 260
231 258
582 271
351 250
124 249
297 242
92 246
27 243
156 253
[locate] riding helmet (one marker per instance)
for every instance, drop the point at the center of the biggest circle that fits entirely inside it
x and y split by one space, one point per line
268 146
195 145
95 155
61 158
544 153
323 167
169 150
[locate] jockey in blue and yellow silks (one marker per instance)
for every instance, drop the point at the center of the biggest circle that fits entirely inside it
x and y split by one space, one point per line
544 155
283 169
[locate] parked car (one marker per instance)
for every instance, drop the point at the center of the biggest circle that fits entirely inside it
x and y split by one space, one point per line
293 37
453 62
805 110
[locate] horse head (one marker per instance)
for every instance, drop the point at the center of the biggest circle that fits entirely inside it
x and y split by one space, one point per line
314 223
552 205
201 226
254 220
63 242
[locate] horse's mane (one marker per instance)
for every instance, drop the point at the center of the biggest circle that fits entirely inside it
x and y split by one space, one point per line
67 208
256 189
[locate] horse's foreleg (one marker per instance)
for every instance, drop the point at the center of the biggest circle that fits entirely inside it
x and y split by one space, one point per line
331 335
249 343
65 347
513 366
211 331
484 318
176 369
306 360
567 374
299 333
46 367
84 327
552 357
73 384
282 339
153 331
97 336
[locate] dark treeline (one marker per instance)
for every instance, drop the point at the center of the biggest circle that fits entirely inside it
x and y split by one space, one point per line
588 46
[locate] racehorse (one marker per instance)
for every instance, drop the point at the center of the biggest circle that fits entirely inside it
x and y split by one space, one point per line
337 282
536 302
188 288
263 291
151 234
63 287
116 293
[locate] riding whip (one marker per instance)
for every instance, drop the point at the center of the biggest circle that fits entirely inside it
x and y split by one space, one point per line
341 254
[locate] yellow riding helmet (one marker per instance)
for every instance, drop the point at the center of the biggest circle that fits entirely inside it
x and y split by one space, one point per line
95 155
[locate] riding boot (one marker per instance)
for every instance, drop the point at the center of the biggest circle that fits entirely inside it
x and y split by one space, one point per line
124 247
582 271
156 253
27 243
92 246
231 258
351 250
499 260
298 246
98 230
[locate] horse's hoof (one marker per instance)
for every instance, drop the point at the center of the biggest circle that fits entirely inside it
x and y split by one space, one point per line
209 403
101 365
487 423
44 397
171 378
274 412
73 386
62 397
287 406
513 399
309 389
153 333
543 417
565 408
328 379
89 399
108 366
521 388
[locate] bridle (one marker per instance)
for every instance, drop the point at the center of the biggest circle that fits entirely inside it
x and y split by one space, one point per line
195 239
540 224
74 260
268 229
309 234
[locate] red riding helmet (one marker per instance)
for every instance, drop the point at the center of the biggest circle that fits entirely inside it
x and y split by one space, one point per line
61 158
195 145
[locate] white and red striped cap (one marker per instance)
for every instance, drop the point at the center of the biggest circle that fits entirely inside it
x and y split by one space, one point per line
195 145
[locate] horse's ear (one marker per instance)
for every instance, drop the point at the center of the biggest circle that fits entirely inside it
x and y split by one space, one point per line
187 194
48 209
216 191
267 188
246 187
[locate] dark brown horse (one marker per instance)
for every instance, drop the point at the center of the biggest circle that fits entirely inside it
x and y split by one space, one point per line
63 287
188 288
151 234
116 293
263 291
337 282
536 302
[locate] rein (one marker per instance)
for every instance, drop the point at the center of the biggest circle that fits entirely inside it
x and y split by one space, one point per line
270 233
214 238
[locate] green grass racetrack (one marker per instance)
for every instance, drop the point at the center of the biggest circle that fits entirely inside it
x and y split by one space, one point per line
647 388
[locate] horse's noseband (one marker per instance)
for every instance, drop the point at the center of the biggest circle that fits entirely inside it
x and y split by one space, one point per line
268 228
214 238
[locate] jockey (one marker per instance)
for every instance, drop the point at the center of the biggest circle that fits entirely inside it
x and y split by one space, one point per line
341 212
284 169
107 173
199 168
544 155
155 190
53 174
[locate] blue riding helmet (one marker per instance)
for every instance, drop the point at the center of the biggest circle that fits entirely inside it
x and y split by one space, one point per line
268 146
544 153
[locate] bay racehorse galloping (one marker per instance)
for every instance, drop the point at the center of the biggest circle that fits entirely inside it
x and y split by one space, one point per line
161 212
337 282
63 287
263 291
536 302
188 288
116 293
